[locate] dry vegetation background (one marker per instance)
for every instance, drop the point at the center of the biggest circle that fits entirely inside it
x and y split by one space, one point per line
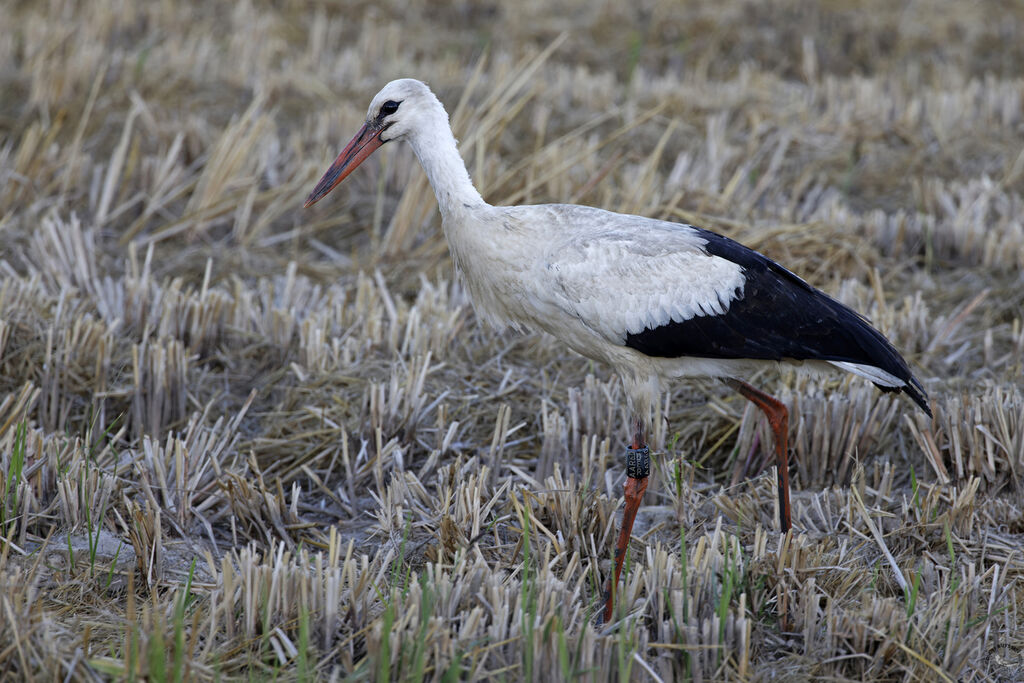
243 440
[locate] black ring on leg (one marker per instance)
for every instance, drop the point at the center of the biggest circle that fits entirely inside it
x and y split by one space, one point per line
638 462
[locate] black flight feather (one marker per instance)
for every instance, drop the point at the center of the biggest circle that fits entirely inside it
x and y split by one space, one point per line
777 316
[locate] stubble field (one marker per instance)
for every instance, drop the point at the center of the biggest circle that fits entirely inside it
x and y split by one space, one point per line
242 440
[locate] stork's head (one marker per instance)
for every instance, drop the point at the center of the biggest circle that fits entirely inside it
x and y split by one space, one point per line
398 110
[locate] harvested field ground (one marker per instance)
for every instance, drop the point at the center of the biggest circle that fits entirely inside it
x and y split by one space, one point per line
242 440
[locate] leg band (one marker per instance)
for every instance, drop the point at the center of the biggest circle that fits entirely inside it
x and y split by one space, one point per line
638 462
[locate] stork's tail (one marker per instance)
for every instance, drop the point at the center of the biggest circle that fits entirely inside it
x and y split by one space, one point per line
888 382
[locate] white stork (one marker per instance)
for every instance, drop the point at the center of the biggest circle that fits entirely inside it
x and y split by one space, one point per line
655 300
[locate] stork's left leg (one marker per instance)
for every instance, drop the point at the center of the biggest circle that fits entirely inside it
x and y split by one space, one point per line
778 419
638 468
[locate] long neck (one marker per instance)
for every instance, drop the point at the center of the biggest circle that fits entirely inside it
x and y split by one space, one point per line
438 152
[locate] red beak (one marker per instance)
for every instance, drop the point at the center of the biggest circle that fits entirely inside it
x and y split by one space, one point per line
355 152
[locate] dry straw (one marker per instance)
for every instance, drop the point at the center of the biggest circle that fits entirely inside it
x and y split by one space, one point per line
239 440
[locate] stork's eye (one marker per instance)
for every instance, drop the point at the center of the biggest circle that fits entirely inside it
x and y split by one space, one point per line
389 108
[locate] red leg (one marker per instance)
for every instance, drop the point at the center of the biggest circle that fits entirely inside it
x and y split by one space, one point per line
778 419
638 468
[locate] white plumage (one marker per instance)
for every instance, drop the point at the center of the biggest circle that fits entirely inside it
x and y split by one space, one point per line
603 273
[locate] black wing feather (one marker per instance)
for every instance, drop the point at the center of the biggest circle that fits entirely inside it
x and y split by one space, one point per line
777 317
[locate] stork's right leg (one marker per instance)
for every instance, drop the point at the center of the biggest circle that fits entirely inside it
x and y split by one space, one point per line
638 468
778 419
